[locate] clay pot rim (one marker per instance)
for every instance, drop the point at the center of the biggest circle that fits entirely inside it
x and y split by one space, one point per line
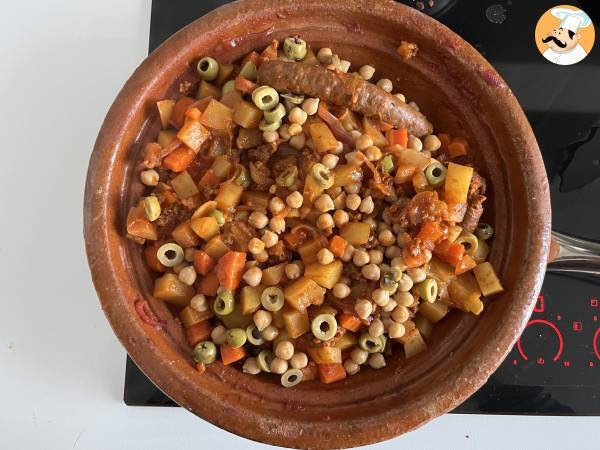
164 366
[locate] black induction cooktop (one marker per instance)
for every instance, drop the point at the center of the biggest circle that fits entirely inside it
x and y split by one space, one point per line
555 366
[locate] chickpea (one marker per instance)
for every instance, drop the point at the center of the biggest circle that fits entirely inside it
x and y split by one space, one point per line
380 296
219 334
371 272
385 84
325 221
432 143
250 366
339 148
352 188
279 366
403 239
363 142
415 143
341 290
414 106
277 225
355 134
400 314
373 153
405 283
353 201
324 256
360 258
330 161
398 263
376 328
262 319
179 267
294 129
270 333
376 256
348 253
363 308
270 136
366 205
270 239
199 303
359 356
366 72
262 256
390 306
417 274
284 350
401 97
294 200
324 55
298 141
293 270
396 330
284 132
253 276
376 361
297 115
351 367
393 251
340 217
276 205
404 298
386 238
188 275
354 158
310 106
324 203
299 360
258 220
149 177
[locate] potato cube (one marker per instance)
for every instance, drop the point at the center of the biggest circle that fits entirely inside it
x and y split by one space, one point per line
170 289
302 293
326 275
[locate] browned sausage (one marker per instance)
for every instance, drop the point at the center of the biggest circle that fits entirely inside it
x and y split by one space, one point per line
473 214
344 90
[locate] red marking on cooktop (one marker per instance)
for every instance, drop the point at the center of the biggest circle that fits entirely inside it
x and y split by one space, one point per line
540 361
595 343
567 363
556 330
595 318
591 363
594 302
540 305
514 362
558 317
577 326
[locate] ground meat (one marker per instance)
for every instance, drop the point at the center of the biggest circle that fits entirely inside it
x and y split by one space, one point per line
261 175
473 214
477 186
308 158
170 217
423 207
343 89
152 155
279 254
236 235
284 163
261 153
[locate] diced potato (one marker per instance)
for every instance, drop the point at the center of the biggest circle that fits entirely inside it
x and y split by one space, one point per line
225 71
454 231
296 322
322 137
410 329
165 109
236 319
208 90
250 298
205 227
272 276
308 250
346 174
314 311
434 312
325 355
215 248
139 226
311 190
487 279
310 372
229 195
302 293
216 116
247 115
249 138
190 316
465 294
458 179
170 289
193 134
184 185
165 137
349 120
356 233
326 275
415 345
346 341
279 323
415 158
379 139
440 270
221 167
424 326
405 173
256 199
482 252
231 99
184 235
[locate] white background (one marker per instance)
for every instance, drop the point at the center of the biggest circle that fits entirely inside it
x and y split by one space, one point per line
61 368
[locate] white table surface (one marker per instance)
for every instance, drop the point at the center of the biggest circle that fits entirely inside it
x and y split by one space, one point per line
61 368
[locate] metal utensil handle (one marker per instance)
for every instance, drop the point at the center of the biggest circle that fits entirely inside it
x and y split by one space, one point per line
574 255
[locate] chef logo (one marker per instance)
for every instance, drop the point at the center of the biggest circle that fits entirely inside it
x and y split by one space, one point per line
564 35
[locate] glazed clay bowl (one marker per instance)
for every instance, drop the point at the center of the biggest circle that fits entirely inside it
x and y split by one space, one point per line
460 93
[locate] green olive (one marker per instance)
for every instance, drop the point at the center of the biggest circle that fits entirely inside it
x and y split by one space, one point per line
428 290
272 298
294 48
253 335
228 87
288 177
224 303
265 98
291 377
324 327
208 68
336 62
236 337
243 177
218 215
469 242
266 126
264 360
205 352
276 114
170 255
249 71
390 278
371 344
435 174
293 98
484 231
322 175
387 163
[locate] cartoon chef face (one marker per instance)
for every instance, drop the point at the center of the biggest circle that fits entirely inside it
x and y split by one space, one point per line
561 40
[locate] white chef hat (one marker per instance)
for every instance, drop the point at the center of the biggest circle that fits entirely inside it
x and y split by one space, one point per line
571 19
